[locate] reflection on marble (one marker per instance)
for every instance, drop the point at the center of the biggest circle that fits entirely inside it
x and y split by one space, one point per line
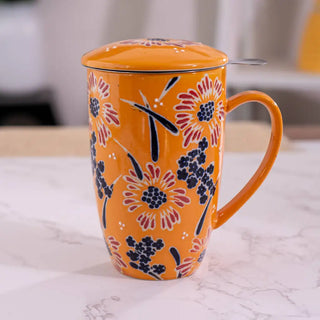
263 264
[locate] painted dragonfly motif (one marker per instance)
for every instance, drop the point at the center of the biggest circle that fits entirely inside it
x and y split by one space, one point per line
137 169
105 190
153 116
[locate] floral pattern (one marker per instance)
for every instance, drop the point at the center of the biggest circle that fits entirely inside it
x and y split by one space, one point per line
149 42
200 110
186 267
153 195
98 169
152 116
200 245
155 198
103 113
141 253
192 170
113 248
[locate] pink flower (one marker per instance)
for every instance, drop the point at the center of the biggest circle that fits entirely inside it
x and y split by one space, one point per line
155 198
102 113
113 246
200 244
200 110
186 266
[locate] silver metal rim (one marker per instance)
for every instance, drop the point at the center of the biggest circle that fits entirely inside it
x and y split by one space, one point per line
156 71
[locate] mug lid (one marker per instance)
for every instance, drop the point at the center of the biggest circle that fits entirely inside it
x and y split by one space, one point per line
154 55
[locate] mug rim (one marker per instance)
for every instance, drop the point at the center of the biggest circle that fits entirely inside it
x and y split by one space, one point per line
156 71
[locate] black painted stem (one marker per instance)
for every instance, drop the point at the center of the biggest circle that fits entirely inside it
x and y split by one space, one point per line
154 275
176 256
154 140
201 221
171 83
104 220
136 166
166 123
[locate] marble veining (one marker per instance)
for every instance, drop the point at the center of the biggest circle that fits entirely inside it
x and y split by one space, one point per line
263 264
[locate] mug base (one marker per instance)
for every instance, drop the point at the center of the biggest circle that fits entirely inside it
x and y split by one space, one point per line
136 274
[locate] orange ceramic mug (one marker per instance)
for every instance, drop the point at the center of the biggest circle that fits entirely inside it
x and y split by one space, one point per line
157 111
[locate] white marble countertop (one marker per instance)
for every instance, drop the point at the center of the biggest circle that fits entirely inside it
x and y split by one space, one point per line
263 264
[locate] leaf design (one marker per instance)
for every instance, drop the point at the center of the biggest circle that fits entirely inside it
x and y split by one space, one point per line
136 166
104 221
201 221
154 140
134 162
176 256
152 116
166 123
169 85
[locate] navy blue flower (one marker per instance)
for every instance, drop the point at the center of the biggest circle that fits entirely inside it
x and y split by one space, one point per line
101 166
183 162
206 111
193 171
147 241
101 179
182 174
192 182
139 247
212 190
158 268
98 174
108 191
130 241
203 144
210 168
93 138
192 154
93 151
149 251
97 169
133 265
155 198
200 172
140 256
193 167
158 244
144 259
103 183
205 178
94 106
144 267
209 183
201 190
134 256
201 158
203 199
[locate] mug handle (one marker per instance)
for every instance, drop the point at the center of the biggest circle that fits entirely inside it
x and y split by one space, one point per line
227 211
